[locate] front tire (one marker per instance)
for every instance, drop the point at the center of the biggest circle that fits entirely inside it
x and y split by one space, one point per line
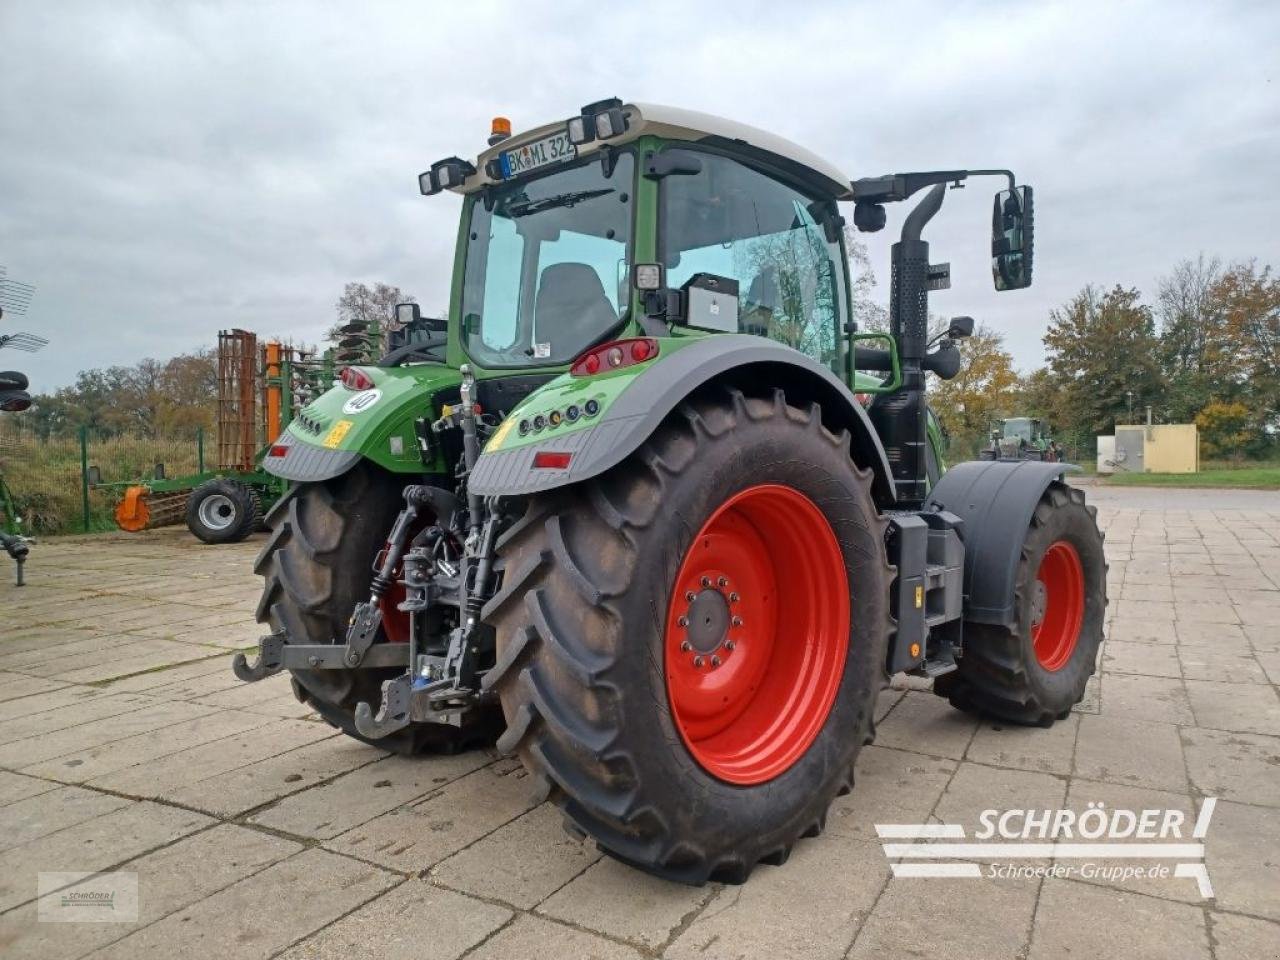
739 519
1035 671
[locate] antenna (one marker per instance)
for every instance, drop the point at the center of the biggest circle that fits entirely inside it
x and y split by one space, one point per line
26 342
15 297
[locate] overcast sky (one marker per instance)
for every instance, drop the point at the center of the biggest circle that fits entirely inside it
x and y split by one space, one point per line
167 169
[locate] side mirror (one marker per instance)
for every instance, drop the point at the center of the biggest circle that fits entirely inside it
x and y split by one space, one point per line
407 313
1012 238
960 328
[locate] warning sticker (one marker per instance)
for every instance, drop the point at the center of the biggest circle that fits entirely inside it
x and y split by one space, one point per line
337 433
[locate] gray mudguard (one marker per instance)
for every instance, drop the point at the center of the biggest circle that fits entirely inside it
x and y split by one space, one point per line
995 499
306 462
633 417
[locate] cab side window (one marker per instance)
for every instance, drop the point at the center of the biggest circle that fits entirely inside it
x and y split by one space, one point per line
733 221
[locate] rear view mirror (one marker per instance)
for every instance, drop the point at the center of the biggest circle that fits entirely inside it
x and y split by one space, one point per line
407 313
1012 238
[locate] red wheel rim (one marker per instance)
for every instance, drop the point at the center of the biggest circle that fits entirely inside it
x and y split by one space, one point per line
757 632
1057 607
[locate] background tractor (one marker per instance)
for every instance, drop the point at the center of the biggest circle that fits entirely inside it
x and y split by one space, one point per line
1022 438
629 510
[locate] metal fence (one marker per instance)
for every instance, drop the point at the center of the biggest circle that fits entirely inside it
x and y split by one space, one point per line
72 484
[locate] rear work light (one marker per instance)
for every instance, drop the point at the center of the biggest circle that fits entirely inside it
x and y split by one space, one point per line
614 356
551 460
354 379
278 450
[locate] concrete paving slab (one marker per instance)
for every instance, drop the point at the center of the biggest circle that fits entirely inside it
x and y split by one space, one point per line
169 879
1240 851
145 747
1079 920
47 811
357 797
245 788
1208 663
168 774
92 845
414 921
1124 750
156 717
1242 938
533 938
413 838
15 685
613 899
1026 748
1244 707
894 784
536 854
977 919
976 787
1159 699
927 724
15 787
305 892
45 702
29 720
1148 659
810 908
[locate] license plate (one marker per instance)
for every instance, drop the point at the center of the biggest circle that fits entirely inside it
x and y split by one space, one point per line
541 153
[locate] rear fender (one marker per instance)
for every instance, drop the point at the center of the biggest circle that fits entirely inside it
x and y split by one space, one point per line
995 501
332 433
634 411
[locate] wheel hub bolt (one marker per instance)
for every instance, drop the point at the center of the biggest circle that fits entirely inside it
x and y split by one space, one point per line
697 662
723 581
686 646
690 596
730 645
737 621
715 661
733 598
683 621
706 581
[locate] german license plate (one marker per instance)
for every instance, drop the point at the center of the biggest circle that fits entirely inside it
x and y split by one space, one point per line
541 153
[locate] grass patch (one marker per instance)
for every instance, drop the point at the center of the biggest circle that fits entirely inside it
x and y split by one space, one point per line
1262 476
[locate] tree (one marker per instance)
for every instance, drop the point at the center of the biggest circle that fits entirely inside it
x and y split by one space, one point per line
1225 429
981 392
1197 356
1102 347
1249 299
359 301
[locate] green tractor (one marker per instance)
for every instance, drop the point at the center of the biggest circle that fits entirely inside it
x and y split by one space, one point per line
648 507
1022 438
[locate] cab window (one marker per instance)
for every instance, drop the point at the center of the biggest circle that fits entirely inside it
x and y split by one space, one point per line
733 221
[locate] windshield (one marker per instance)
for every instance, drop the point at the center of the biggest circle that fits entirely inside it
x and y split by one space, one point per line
547 265
1017 429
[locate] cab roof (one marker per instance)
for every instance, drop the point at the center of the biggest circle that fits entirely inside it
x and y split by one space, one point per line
676 123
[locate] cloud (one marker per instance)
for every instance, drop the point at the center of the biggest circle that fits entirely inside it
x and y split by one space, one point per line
168 170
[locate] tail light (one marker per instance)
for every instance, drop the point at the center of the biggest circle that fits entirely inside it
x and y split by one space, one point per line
551 460
614 356
355 379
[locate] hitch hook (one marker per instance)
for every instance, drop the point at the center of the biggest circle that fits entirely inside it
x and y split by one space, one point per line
270 659
393 715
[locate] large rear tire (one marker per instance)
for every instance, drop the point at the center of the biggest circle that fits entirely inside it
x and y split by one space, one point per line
316 566
690 647
1035 671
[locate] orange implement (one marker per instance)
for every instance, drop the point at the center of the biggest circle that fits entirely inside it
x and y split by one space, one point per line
132 512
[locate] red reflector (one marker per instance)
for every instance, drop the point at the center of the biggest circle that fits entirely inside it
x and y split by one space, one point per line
548 460
278 450
354 379
614 355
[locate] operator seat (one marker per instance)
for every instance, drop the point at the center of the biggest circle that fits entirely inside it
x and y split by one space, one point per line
571 309
761 303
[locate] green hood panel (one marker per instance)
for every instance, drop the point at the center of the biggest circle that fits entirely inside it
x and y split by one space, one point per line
376 423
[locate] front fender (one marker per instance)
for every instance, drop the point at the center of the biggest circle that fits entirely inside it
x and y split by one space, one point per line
633 410
995 499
